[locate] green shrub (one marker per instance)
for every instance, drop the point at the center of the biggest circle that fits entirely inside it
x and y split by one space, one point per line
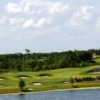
21 84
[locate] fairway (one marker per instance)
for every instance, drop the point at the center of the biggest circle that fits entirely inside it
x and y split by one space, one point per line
56 79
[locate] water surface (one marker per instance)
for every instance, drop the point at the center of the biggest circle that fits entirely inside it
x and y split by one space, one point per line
58 95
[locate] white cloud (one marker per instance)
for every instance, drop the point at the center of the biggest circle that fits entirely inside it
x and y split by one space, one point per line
28 23
13 8
83 15
25 6
31 6
58 7
2 19
42 21
15 21
87 12
28 6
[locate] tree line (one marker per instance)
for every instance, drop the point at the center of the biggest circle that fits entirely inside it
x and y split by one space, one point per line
45 61
96 51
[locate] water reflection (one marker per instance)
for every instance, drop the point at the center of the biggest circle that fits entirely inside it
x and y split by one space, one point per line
21 97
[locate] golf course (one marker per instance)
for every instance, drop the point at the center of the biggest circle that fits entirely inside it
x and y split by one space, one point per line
22 73
47 80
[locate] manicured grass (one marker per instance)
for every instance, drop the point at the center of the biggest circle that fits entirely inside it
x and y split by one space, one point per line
53 82
97 60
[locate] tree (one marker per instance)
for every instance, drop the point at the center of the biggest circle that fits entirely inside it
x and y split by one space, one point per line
27 51
18 67
71 81
39 65
21 84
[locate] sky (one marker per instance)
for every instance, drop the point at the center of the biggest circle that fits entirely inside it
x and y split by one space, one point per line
49 25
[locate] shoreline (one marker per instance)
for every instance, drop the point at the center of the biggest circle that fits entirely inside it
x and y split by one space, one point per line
59 90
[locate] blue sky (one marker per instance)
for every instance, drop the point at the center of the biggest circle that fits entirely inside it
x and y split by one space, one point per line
49 25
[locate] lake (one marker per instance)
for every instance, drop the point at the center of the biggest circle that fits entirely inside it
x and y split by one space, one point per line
57 95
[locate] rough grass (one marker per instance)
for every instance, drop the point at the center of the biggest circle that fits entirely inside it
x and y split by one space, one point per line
54 82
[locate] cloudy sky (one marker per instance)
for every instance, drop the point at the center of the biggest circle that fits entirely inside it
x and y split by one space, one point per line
49 25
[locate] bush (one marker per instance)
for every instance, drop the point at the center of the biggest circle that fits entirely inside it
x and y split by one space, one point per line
21 84
71 81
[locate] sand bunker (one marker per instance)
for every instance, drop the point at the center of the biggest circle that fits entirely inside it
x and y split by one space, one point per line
2 85
65 82
23 76
1 78
30 89
37 83
45 75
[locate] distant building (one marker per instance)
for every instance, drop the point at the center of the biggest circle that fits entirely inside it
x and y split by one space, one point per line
94 55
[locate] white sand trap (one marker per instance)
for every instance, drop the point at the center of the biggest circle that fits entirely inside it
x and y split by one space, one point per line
37 83
23 77
65 82
1 79
45 76
30 89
